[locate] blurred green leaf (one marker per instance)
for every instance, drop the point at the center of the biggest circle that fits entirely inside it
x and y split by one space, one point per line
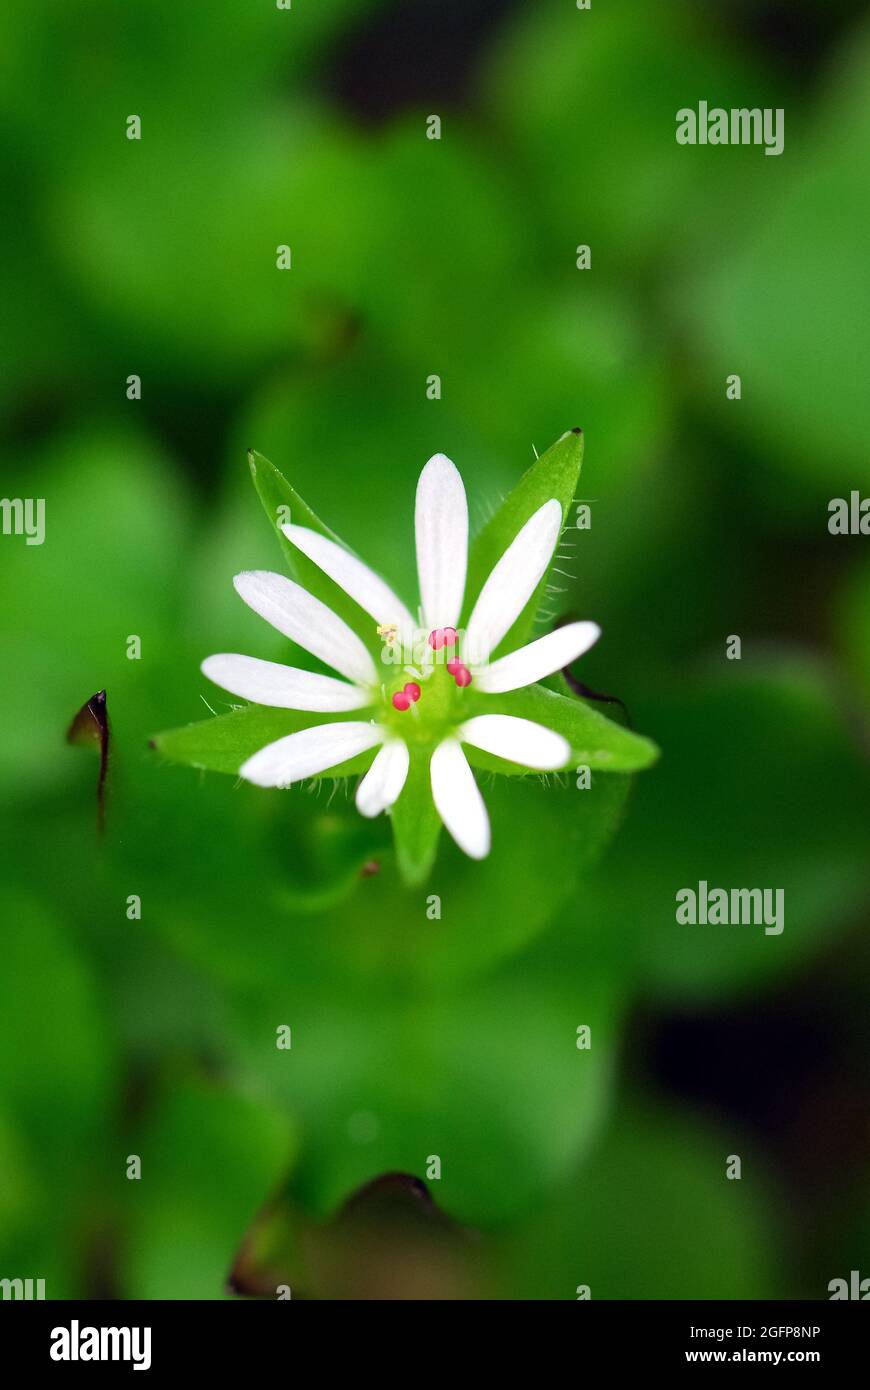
446 206
20 1188
781 309
210 1156
61 1079
265 176
644 1213
598 156
115 522
488 1079
763 786
195 64
291 871
59 1075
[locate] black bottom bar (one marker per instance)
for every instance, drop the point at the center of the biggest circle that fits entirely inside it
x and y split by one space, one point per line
243 1337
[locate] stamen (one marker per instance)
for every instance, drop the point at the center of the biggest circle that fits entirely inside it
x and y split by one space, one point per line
463 676
401 700
454 665
450 637
412 690
436 639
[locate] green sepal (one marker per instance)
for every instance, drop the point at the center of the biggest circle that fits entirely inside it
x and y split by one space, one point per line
596 742
416 823
282 504
554 474
224 743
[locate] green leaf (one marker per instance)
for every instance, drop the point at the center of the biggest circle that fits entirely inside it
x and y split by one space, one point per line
778 799
223 744
43 1085
416 824
770 293
642 1215
282 504
554 474
81 587
544 835
221 1150
642 184
595 740
293 864
514 1099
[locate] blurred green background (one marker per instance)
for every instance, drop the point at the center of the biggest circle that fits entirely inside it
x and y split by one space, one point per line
413 257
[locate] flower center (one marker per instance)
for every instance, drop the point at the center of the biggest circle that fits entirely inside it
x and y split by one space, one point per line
425 707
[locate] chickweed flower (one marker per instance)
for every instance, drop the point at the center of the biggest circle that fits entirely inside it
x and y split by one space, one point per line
427 695
417 693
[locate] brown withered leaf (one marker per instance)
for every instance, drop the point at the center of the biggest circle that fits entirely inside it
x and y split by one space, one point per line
90 729
390 1240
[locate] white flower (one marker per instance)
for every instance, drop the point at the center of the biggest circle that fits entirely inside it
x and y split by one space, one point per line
429 714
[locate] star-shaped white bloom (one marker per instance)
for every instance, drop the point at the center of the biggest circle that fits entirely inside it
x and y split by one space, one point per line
430 711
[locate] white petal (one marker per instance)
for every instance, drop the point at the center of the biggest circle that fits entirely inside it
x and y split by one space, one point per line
362 584
308 752
512 582
304 619
441 524
538 659
458 800
384 780
281 687
517 740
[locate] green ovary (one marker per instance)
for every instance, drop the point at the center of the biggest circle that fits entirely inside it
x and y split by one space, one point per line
440 708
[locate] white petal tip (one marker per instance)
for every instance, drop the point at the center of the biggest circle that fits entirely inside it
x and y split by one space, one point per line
383 783
439 462
250 772
458 800
478 852
245 581
517 740
544 656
